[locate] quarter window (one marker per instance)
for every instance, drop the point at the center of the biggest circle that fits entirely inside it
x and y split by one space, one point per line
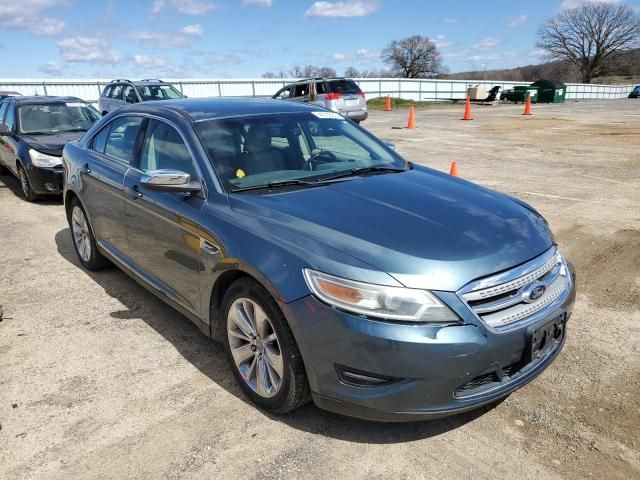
100 140
121 140
164 149
10 120
3 108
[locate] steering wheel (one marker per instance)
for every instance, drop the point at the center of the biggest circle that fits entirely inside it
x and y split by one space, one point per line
315 157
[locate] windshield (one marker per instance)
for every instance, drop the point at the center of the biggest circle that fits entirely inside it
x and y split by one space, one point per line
261 149
158 92
56 117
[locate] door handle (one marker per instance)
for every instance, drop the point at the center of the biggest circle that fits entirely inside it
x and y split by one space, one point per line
86 168
133 192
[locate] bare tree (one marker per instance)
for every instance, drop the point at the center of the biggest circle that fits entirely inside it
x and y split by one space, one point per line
351 72
413 57
326 72
589 36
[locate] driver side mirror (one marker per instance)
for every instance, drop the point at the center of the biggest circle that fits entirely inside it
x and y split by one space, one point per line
5 131
169 181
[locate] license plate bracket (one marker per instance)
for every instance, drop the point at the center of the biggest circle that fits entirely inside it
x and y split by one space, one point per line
546 338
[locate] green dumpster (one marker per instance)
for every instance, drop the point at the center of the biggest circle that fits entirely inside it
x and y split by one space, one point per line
550 91
521 92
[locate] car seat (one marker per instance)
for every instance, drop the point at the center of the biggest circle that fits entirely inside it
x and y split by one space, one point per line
259 156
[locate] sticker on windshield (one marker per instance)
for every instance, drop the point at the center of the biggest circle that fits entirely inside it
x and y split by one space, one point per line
75 104
326 115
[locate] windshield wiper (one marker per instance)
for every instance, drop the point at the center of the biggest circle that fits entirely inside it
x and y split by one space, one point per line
363 170
276 184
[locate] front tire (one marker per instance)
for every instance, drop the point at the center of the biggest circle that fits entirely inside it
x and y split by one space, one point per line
83 239
25 184
263 354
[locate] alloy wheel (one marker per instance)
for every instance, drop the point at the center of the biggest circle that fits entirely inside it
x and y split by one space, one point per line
81 235
255 347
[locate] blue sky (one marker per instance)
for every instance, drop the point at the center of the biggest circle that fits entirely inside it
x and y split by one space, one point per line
245 38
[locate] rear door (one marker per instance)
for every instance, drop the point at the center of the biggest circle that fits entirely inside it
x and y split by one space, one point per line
8 144
163 227
108 158
4 151
115 98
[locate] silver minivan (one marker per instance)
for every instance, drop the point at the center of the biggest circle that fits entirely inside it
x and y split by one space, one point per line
342 95
122 92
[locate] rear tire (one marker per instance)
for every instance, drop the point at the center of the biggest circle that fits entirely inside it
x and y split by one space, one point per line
83 240
262 352
25 184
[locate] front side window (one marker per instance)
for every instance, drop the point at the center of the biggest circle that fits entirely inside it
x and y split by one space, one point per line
255 150
48 118
3 109
164 149
116 92
284 93
130 94
10 117
158 92
301 90
122 137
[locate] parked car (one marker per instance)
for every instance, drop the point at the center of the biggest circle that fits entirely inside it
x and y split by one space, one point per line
122 92
329 266
33 131
341 95
8 93
635 93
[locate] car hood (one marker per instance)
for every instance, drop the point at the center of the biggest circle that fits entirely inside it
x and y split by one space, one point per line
424 228
51 144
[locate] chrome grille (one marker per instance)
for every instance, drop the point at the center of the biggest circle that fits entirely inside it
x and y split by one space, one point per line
502 300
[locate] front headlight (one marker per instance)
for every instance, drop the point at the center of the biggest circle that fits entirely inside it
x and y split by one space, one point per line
391 303
40 159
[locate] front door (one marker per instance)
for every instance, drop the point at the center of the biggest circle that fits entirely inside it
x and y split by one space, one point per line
162 227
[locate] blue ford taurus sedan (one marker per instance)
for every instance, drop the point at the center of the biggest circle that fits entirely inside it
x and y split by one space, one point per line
331 268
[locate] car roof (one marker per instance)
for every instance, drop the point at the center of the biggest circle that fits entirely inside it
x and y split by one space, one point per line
148 81
211 108
10 92
40 99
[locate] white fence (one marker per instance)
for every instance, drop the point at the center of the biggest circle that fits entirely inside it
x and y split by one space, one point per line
419 90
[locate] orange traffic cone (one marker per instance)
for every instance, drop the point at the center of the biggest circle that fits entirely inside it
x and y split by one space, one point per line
412 118
454 169
467 109
527 107
387 104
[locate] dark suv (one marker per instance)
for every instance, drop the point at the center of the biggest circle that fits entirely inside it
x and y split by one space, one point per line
33 131
121 92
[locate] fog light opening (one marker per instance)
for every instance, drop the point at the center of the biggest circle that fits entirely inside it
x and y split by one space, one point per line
360 378
50 187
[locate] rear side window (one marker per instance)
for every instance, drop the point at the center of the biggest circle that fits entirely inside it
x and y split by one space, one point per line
164 149
107 91
320 88
343 86
100 140
121 140
130 94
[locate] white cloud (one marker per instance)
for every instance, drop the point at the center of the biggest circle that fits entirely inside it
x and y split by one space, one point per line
452 21
579 3
441 41
186 7
339 56
360 56
26 15
149 62
348 8
366 53
259 3
486 43
193 30
87 50
515 22
537 53
51 68
483 58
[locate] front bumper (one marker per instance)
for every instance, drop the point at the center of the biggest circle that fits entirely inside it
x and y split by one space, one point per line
431 367
46 181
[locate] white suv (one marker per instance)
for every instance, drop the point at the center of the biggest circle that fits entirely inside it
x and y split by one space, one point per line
122 92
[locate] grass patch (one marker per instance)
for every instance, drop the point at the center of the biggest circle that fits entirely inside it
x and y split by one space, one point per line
379 102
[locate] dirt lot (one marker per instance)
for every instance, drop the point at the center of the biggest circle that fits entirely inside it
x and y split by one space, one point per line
98 379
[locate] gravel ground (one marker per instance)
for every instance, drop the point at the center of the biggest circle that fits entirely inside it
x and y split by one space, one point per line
99 379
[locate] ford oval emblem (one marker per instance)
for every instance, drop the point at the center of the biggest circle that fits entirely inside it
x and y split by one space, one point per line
533 291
